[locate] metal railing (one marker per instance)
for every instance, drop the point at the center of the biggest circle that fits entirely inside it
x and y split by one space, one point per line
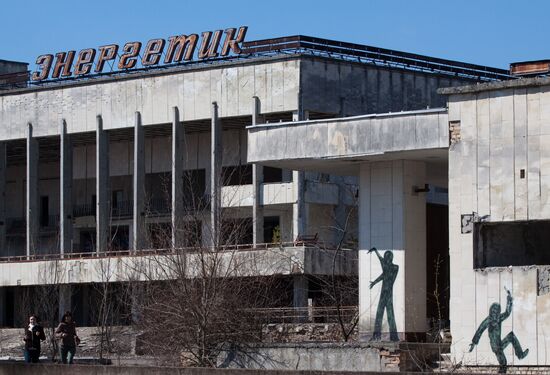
373 55
300 44
313 314
87 209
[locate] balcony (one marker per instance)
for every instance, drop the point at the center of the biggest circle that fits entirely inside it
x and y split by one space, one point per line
282 259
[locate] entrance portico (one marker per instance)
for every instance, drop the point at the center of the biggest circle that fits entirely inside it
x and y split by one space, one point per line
395 157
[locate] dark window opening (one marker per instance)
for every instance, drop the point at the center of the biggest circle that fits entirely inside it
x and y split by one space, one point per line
87 240
237 175
94 204
192 233
194 186
514 243
273 175
120 238
270 223
236 231
44 211
160 235
117 198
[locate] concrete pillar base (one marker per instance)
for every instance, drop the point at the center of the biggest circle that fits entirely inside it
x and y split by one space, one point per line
300 297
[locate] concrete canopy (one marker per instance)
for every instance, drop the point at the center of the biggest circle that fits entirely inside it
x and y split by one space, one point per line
339 145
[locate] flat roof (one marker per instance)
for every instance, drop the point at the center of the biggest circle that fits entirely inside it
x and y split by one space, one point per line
13 62
497 85
292 47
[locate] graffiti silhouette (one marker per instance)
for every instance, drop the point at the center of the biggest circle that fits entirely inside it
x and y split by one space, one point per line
388 276
493 323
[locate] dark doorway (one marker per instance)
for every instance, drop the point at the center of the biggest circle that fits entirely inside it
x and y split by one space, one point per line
270 223
437 265
87 241
120 237
9 317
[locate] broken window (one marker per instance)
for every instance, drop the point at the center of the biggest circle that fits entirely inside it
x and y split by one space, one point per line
512 243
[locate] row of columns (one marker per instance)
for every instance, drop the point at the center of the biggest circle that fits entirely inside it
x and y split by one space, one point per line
138 239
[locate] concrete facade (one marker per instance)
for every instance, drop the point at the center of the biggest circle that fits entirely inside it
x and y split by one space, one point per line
393 156
499 170
346 152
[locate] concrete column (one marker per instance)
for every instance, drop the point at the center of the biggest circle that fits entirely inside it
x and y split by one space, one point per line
340 212
139 232
178 152
65 190
33 212
215 176
3 161
392 218
257 181
136 301
65 297
299 207
299 296
102 188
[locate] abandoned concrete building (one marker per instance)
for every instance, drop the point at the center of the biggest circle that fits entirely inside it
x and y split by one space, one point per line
308 144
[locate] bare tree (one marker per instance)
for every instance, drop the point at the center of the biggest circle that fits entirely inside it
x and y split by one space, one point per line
46 300
110 303
197 302
340 288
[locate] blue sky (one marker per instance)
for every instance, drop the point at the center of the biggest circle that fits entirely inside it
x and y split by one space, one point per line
490 32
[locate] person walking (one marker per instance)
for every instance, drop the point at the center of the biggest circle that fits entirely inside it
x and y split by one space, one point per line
34 333
66 333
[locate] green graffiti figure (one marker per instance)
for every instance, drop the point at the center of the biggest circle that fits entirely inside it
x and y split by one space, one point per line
388 276
493 323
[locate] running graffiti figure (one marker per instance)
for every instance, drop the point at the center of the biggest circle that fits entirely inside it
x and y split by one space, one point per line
388 276
493 323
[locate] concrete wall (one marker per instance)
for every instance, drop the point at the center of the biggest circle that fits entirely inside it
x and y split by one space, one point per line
7 67
318 357
502 132
275 83
285 261
393 218
354 137
348 89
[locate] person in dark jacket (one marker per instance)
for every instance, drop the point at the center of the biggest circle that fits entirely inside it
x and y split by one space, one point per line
34 333
66 333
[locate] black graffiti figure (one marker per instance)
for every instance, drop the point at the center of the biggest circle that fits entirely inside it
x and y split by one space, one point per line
388 276
493 323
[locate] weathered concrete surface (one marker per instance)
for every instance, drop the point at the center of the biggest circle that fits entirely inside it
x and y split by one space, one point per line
346 141
282 261
347 88
154 95
500 170
319 356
